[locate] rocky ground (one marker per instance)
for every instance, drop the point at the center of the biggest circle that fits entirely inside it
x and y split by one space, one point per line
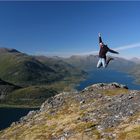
99 112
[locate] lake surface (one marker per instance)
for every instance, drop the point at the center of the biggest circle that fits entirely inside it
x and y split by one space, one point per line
108 76
9 115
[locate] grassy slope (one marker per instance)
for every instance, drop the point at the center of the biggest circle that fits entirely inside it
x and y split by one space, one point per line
64 68
31 96
46 125
22 69
26 71
129 130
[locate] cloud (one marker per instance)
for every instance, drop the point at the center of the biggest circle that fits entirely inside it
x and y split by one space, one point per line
131 46
125 47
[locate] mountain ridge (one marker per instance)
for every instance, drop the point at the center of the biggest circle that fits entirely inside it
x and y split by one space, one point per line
8 50
59 74
23 69
36 78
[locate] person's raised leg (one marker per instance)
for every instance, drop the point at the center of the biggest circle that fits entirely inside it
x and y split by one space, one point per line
108 60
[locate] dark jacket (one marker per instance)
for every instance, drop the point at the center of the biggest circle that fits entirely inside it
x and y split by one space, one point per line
104 49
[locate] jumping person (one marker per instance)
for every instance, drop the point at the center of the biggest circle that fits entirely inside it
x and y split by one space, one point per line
102 54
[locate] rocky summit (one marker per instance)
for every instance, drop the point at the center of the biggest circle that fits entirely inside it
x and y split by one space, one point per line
99 112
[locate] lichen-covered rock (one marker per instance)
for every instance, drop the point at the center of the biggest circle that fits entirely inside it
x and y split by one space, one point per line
100 111
106 86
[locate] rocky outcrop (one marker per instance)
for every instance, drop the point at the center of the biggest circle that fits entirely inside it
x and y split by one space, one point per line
99 112
113 85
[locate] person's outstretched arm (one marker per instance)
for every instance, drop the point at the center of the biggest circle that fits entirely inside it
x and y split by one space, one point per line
112 51
100 39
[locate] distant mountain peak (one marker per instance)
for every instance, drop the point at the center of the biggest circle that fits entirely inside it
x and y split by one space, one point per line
10 50
136 60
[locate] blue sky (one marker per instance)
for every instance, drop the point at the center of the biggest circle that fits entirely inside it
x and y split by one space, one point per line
67 27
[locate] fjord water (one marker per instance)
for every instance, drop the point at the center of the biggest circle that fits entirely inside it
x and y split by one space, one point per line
108 76
9 115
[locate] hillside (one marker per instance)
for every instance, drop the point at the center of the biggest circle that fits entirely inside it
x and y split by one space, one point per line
25 70
87 62
136 60
100 111
15 96
6 88
32 79
58 64
136 72
28 97
22 69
